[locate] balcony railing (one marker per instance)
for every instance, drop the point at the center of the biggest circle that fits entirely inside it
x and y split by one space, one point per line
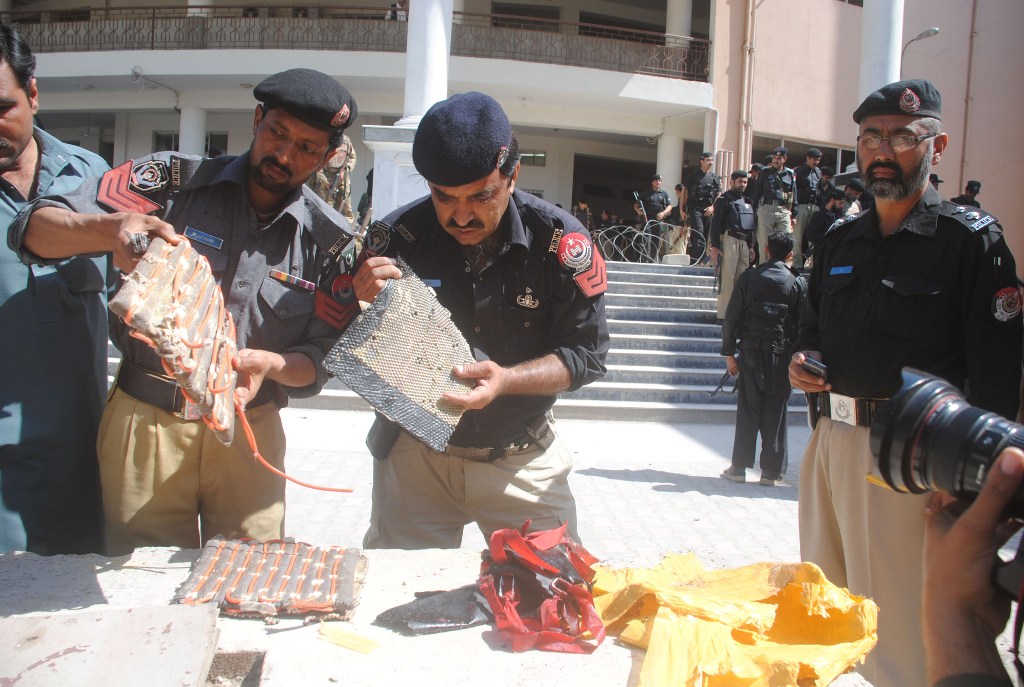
313 27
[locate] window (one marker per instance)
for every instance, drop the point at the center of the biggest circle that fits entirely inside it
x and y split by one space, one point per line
533 158
164 140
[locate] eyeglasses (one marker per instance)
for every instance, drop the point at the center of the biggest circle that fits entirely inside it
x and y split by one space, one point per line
898 142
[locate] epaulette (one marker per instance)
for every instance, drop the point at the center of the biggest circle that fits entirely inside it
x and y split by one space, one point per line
845 219
331 231
974 219
184 168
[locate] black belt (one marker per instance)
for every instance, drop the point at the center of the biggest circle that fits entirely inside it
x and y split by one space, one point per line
741 235
859 412
539 434
165 393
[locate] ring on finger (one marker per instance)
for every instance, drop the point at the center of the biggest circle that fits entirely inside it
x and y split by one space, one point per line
140 243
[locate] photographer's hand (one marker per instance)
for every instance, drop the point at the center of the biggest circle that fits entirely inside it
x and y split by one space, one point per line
963 611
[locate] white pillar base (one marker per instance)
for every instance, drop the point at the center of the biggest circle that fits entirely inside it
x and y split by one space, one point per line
395 179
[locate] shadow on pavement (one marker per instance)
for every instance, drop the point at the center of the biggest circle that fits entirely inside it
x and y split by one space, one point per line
709 486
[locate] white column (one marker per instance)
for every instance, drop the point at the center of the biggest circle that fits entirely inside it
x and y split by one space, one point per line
428 43
120 137
880 35
192 131
679 17
670 161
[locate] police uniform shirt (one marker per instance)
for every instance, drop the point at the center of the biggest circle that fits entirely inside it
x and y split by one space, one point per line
53 363
722 220
764 309
808 182
654 202
523 306
207 201
938 294
774 187
701 189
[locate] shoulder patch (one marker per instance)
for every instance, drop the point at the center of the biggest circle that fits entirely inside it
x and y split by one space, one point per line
1006 304
575 252
406 234
115 191
378 236
974 219
148 176
845 219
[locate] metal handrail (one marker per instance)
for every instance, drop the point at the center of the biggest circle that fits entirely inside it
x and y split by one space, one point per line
323 27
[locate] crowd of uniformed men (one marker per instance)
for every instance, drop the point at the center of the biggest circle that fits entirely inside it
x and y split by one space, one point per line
908 279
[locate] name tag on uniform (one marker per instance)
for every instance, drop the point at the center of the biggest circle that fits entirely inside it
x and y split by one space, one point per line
845 269
202 237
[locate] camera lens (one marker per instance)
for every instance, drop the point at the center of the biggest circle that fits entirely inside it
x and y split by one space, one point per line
928 438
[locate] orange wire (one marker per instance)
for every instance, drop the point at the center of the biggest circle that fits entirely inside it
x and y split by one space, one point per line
244 421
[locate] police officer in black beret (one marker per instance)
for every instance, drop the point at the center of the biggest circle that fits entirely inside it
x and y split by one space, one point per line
913 281
525 287
808 185
774 198
272 244
970 195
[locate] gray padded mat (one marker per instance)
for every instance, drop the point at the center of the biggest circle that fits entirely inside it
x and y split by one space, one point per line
398 354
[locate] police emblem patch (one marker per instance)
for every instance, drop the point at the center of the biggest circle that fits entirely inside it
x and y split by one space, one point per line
343 289
910 102
502 156
149 176
341 116
575 252
377 238
1006 304
527 300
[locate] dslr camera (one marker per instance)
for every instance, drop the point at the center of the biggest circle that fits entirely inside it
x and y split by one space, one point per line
929 438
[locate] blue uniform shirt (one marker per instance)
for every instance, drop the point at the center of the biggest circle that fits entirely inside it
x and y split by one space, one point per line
53 351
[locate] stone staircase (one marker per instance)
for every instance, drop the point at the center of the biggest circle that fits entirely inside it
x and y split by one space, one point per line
663 362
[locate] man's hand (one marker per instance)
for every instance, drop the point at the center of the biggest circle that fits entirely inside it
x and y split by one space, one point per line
801 378
373 275
963 611
253 366
709 210
127 224
732 365
490 382
714 253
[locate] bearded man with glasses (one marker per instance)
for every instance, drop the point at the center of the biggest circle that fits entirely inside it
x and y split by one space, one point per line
914 281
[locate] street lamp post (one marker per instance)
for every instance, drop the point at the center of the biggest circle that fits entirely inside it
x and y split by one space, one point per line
927 33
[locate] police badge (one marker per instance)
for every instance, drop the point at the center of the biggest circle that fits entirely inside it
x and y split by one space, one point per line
148 176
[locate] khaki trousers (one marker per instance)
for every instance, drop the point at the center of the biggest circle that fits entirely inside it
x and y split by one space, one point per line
170 482
770 219
423 499
804 212
735 258
870 540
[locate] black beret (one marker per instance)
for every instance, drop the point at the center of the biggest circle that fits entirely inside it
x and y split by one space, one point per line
756 167
934 178
837 194
813 152
856 184
781 150
916 97
739 174
461 140
312 96
656 177
679 187
974 186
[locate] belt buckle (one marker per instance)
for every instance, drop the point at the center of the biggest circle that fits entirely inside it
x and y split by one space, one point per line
189 411
844 408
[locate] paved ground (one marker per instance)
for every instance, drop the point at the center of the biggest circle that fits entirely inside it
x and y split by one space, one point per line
642 490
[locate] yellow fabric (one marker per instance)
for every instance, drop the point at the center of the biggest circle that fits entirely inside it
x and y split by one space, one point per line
762 625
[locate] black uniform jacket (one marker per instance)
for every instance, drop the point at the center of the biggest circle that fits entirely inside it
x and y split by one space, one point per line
938 294
764 309
523 306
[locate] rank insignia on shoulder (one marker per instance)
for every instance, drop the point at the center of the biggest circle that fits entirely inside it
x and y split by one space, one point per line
378 236
958 209
973 219
115 192
971 216
1006 304
333 313
527 300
